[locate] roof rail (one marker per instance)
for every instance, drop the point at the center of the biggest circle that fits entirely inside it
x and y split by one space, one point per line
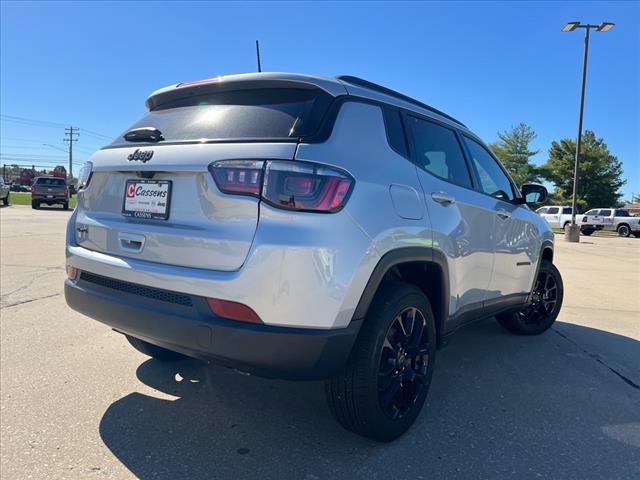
387 91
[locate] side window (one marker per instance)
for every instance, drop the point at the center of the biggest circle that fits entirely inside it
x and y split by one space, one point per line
566 211
492 179
621 213
438 152
553 210
395 132
592 212
542 210
605 213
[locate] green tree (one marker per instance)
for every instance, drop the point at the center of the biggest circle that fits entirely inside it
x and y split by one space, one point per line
600 172
512 148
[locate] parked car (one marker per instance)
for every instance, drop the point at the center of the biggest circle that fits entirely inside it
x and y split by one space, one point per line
558 216
304 227
16 187
612 219
49 190
4 191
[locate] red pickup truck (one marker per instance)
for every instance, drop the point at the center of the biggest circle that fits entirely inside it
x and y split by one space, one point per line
49 190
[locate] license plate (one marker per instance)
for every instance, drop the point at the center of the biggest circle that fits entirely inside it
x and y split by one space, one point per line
147 199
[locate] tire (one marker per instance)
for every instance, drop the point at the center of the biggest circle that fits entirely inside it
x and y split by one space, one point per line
586 232
564 227
354 397
538 316
153 350
65 206
35 205
624 230
5 200
636 234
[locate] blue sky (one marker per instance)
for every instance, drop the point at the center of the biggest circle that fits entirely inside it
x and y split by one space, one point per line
491 64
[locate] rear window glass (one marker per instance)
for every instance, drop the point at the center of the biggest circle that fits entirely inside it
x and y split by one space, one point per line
51 182
267 113
621 213
566 210
553 210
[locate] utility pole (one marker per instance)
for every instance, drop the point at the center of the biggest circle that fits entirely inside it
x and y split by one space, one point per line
70 136
258 55
572 233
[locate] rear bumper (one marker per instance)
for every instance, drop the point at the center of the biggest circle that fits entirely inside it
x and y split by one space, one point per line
53 199
185 324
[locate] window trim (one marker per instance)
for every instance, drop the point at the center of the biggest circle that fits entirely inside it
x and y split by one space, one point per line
517 195
412 150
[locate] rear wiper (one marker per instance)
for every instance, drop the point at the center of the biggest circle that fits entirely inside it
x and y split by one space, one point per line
144 134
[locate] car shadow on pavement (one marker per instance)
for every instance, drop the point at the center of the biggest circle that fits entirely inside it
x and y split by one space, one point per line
500 406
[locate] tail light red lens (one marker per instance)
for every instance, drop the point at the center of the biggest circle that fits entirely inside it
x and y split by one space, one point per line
305 186
242 177
233 310
290 185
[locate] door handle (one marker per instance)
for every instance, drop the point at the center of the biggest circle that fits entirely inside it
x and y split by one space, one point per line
443 198
503 214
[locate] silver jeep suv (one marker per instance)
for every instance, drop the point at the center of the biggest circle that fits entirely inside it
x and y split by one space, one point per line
303 227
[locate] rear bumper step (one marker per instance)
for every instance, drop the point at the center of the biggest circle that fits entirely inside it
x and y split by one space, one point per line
185 324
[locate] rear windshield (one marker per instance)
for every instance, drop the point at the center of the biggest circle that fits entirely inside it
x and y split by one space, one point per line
51 182
260 114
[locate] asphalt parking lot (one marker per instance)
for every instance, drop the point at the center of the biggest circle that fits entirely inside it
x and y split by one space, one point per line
78 402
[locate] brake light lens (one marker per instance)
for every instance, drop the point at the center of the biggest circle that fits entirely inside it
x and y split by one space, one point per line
305 186
290 185
233 310
242 177
85 175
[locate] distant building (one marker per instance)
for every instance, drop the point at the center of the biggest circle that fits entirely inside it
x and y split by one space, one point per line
632 208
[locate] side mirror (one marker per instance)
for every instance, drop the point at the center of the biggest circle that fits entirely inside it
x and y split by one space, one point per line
534 193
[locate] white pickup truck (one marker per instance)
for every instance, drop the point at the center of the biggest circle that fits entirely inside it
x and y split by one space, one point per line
557 216
612 219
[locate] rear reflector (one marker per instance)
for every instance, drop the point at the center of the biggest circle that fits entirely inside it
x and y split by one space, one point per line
72 272
291 185
233 310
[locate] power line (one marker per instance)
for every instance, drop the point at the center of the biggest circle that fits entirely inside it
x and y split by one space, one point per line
43 123
95 134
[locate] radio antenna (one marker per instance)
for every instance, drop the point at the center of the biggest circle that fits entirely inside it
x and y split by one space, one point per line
258 55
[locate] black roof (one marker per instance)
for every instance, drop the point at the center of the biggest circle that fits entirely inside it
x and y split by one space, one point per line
392 93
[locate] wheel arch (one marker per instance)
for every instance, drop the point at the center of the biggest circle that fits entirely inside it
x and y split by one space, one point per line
423 267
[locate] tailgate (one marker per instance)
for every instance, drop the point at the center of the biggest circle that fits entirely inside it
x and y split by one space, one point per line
204 228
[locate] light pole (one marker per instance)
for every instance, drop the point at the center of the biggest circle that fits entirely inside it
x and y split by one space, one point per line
572 234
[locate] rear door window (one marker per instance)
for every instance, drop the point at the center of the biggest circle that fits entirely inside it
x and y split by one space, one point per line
259 114
437 151
566 211
605 213
542 210
553 210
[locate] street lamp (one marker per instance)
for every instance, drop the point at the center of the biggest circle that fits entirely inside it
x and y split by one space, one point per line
573 232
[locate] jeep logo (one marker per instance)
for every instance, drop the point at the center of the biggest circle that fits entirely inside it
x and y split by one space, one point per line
141 155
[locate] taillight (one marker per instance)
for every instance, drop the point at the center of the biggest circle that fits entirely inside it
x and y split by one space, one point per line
290 185
242 177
